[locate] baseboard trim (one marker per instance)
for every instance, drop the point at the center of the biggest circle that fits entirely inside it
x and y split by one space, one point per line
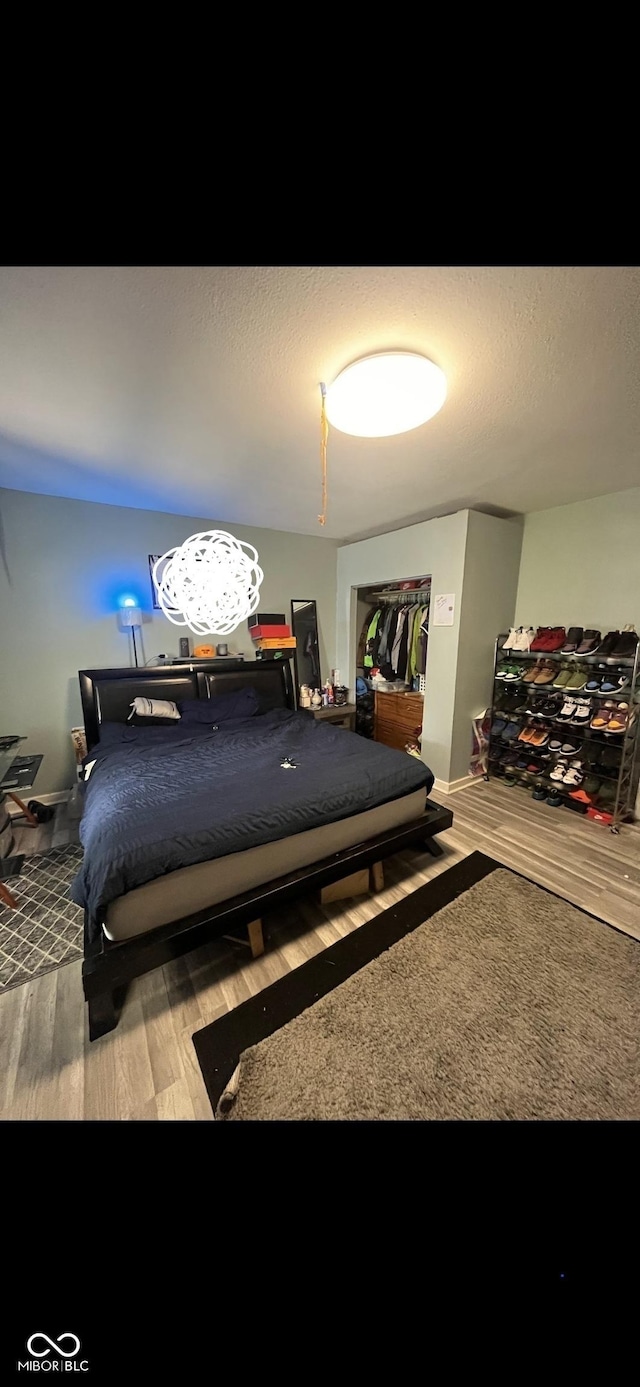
55 797
449 787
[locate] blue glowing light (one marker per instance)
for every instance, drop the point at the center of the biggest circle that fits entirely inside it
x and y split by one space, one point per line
128 602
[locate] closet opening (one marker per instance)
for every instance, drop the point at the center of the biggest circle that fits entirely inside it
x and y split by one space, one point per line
392 633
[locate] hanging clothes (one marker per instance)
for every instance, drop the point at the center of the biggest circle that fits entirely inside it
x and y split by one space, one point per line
400 635
388 620
370 658
362 643
414 666
422 643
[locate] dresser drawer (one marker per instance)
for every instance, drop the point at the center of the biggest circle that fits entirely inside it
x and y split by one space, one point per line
398 718
392 736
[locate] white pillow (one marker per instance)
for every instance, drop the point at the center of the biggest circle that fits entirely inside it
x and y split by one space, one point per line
153 708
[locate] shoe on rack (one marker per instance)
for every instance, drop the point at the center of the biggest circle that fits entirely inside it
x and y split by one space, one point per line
589 789
555 640
574 636
558 772
531 674
578 679
625 647
582 715
593 684
509 641
608 644
591 641
613 681
538 642
570 749
563 678
573 777
567 711
619 720
547 674
523 639
540 737
502 669
551 706
602 717
513 674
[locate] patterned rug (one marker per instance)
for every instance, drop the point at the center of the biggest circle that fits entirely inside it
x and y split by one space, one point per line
45 932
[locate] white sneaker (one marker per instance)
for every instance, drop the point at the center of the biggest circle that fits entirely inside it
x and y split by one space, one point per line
524 638
510 642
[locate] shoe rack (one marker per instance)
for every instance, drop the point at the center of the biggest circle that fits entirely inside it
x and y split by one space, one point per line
614 756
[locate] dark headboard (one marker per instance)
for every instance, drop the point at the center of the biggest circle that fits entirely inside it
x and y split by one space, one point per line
107 693
270 678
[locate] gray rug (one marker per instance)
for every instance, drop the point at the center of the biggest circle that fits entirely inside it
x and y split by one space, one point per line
46 930
507 1003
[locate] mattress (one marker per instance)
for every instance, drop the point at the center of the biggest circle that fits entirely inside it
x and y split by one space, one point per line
170 798
190 889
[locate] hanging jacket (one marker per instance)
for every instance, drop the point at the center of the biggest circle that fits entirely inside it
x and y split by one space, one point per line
400 633
388 619
362 643
372 643
422 643
412 668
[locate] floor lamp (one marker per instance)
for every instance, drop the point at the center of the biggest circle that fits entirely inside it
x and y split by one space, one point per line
131 617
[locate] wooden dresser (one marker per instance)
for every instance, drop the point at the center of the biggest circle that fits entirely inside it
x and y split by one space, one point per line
398 718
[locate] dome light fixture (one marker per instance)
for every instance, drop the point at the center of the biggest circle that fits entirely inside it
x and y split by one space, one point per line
385 394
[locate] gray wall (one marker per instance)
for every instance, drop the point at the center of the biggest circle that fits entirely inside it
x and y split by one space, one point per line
436 547
581 564
63 566
491 566
473 556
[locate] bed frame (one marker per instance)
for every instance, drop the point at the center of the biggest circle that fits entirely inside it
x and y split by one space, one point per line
110 965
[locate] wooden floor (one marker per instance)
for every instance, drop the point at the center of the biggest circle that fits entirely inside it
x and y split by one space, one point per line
146 1069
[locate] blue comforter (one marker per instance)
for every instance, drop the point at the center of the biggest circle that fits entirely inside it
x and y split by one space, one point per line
189 794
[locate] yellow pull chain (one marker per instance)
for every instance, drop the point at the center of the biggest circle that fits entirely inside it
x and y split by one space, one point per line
324 434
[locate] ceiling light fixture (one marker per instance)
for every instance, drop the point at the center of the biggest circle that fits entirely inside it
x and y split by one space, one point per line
210 583
378 396
391 392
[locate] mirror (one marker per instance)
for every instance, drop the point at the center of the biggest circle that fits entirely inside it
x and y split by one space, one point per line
306 656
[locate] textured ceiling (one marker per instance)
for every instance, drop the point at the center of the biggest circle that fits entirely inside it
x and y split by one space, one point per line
196 390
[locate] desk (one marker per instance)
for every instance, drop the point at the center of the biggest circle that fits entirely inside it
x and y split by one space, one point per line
19 774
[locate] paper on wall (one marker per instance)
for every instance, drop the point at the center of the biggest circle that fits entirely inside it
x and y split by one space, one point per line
443 609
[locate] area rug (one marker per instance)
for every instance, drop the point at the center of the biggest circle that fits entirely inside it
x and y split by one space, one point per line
46 930
505 1003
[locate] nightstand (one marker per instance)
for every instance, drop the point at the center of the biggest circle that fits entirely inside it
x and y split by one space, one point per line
344 716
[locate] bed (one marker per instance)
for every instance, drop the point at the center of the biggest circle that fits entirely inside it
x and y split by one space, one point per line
194 829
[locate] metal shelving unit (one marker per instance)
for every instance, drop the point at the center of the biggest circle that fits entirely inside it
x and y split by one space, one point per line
628 774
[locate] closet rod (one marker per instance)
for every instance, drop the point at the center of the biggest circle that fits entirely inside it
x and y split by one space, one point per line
403 594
